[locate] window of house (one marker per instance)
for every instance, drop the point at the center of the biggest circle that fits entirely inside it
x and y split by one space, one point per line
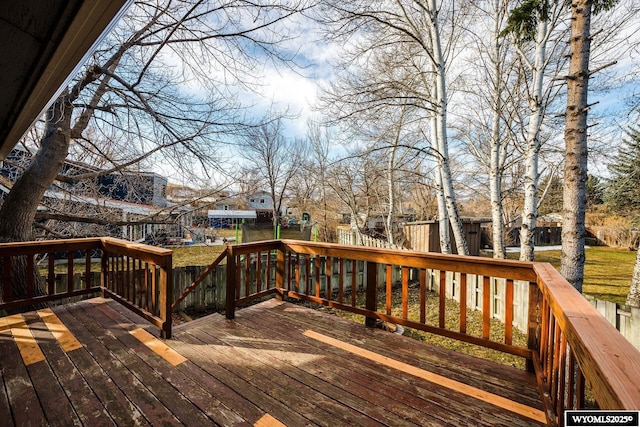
262 201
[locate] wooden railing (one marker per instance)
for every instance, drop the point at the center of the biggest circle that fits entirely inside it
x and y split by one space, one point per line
578 357
138 276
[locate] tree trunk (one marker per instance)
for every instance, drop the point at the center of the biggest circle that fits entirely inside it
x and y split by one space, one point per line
530 207
496 163
575 171
19 208
633 298
440 105
443 217
391 194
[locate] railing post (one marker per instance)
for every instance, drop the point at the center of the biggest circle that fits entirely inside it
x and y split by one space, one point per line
533 323
104 276
230 305
371 302
280 266
166 295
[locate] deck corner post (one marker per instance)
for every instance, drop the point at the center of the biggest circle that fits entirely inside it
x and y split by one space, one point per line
533 323
230 298
166 295
371 303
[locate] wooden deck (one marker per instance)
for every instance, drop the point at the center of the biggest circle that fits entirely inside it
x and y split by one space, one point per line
96 363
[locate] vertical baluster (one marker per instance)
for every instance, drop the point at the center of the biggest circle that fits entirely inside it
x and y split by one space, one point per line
555 380
307 275
127 280
147 288
328 272
247 275
258 272
237 274
289 271
442 298
463 303
389 290
268 272
423 295
354 282
31 288
371 300
534 319
405 293
544 336
508 313
316 267
51 274
154 288
69 272
87 269
551 349
580 385
562 379
571 382
341 280
486 307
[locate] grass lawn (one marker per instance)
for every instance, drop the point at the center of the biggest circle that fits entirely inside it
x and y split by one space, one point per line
184 256
607 271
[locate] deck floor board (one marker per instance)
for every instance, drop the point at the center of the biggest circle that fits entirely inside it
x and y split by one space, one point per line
262 367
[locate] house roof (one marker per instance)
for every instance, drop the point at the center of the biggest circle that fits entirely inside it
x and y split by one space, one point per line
43 42
219 213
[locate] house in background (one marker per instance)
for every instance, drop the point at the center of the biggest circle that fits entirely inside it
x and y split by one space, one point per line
261 203
256 208
135 203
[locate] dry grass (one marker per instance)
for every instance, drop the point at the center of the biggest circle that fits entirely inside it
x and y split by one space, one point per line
452 322
607 271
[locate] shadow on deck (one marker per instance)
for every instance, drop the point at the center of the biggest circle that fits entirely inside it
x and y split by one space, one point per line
94 363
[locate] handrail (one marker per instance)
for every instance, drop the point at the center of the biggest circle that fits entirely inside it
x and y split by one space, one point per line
570 344
610 364
138 276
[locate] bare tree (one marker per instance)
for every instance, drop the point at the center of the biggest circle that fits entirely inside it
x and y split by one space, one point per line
495 90
536 27
398 57
274 159
135 94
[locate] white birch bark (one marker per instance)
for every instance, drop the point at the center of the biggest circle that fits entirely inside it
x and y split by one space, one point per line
443 216
633 298
440 106
498 145
391 192
532 149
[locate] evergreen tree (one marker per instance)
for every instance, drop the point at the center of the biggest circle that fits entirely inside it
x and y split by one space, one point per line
595 191
623 187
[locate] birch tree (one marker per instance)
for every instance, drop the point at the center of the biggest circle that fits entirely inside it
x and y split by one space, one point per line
534 25
485 125
407 37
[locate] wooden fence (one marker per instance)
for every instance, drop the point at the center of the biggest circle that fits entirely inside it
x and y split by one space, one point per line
349 237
